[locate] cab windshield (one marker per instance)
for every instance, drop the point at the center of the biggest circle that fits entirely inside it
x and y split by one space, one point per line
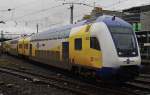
124 40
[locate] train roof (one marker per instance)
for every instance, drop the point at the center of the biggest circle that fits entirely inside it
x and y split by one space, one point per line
105 18
64 31
65 27
113 21
60 32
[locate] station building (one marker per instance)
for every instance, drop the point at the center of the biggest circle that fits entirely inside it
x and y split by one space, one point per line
139 17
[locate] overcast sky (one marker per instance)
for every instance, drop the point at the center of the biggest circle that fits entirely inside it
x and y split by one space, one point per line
25 14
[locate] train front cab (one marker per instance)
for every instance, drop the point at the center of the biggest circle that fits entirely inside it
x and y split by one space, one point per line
94 48
120 53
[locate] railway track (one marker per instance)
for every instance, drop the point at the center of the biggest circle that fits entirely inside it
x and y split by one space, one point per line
144 79
79 87
140 85
40 79
75 87
138 88
145 75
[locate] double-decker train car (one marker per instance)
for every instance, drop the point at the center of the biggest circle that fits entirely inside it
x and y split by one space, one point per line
6 46
12 46
105 48
23 46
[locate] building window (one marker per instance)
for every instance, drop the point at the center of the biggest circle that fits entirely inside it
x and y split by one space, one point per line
94 43
78 44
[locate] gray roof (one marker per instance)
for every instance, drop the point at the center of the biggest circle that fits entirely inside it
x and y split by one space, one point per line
56 33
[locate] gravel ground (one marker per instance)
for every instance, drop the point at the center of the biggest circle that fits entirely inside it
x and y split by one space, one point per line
16 63
12 85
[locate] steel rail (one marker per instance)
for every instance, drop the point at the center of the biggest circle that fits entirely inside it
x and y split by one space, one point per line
76 87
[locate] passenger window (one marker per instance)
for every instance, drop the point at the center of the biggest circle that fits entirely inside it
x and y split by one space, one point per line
20 46
94 43
26 46
78 44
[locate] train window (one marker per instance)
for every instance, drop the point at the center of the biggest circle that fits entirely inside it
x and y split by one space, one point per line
94 43
20 45
26 46
78 44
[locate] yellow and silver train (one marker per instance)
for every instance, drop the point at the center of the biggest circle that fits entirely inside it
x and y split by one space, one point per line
106 48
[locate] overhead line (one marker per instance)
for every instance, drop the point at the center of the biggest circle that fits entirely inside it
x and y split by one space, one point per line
114 4
4 10
23 5
36 12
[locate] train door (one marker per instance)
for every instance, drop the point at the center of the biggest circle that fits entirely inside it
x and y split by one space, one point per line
30 51
18 48
65 51
22 48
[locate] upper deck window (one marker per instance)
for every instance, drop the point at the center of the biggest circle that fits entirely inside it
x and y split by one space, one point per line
26 46
20 45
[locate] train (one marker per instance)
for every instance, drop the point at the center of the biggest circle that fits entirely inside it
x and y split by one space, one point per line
105 48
